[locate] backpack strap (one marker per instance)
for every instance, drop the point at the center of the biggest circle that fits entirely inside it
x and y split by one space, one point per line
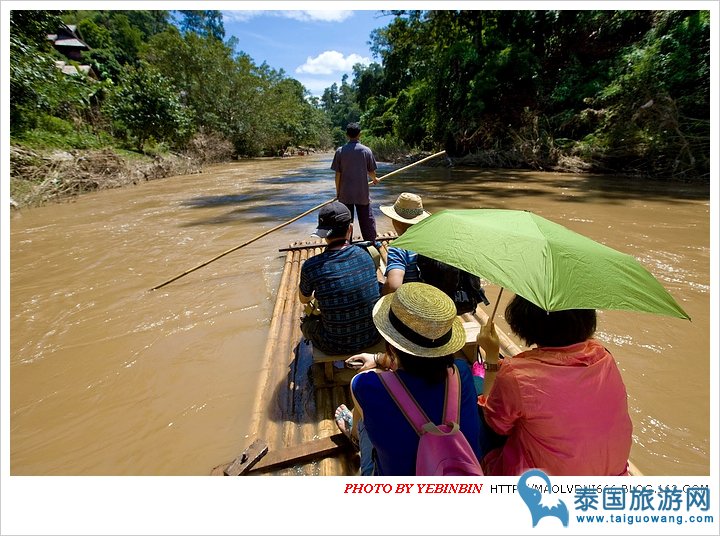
407 404
451 413
409 407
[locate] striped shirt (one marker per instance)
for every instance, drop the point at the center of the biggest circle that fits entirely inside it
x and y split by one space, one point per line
405 260
345 285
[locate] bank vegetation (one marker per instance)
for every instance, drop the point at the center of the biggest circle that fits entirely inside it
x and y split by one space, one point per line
155 93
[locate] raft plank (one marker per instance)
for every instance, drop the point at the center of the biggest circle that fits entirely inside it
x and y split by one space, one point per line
325 446
248 459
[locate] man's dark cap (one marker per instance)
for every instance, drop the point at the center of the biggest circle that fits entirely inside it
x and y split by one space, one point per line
333 220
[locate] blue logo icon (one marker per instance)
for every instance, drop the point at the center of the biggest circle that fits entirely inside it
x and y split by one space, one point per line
533 498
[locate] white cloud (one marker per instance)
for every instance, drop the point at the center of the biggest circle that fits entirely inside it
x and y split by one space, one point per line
305 16
331 61
318 15
240 16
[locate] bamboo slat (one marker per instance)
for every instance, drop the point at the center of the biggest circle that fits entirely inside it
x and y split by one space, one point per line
290 410
264 383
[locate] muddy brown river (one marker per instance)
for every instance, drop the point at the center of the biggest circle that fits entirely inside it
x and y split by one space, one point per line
110 378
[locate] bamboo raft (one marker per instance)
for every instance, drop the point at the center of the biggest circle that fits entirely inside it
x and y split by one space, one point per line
293 430
293 422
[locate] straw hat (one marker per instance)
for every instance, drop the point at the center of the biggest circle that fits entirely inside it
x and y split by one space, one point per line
421 320
408 208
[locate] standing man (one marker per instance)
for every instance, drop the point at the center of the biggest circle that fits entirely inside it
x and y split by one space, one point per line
343 281
353 164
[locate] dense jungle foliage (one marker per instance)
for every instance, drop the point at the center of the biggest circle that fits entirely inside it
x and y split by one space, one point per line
161 82
616 91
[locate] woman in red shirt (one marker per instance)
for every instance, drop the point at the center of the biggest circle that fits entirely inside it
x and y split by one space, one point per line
562 404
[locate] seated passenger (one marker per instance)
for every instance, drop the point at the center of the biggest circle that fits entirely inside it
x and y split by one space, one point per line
343 281
562 405
405 266
422 332
401 266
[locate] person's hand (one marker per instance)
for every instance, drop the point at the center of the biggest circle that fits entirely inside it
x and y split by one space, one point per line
488 340
374 180
361 362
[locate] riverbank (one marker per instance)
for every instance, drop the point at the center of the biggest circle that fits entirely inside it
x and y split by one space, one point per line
40 176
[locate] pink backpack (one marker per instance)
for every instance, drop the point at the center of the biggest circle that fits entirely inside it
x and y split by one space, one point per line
443 450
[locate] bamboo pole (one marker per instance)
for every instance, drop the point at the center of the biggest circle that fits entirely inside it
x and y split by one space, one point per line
290 323
409 166
255 238
280 226
332 466
265 382
278 392
497 302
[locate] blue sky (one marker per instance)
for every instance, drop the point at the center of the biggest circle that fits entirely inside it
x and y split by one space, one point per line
314 47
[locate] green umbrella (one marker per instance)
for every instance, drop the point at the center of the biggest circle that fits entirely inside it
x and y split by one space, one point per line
542 261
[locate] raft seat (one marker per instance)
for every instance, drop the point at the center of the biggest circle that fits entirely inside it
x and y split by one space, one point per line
328 360
472 328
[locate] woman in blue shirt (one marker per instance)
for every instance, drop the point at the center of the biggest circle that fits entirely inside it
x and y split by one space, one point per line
422 332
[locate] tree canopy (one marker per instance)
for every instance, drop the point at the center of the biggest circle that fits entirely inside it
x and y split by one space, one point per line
605 90
158 70
625 90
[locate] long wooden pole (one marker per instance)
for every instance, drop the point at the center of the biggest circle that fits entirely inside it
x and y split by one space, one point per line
258 237
409 166
497 302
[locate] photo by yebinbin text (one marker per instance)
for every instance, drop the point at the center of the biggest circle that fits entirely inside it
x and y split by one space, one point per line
412 488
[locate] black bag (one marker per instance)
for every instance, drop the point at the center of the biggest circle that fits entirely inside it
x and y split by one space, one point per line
464 289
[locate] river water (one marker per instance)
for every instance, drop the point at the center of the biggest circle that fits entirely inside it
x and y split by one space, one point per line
110 378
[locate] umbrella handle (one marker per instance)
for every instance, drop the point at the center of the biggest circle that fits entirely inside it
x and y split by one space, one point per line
497 302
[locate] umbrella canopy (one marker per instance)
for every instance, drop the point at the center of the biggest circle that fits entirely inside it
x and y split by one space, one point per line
551 266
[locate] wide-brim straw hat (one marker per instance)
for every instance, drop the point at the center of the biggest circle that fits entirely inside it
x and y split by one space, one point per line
408 208
421 320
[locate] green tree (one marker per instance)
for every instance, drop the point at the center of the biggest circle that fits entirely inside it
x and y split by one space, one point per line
204 23
33 84
145 104
204 72
96 36
626 90
368 81
37 87
127 39
149 22
340 104
32 27
656 107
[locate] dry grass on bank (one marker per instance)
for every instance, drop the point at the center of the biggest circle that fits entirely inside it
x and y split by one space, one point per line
39 177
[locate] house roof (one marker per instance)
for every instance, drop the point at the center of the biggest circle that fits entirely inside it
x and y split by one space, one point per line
75 43
67 36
